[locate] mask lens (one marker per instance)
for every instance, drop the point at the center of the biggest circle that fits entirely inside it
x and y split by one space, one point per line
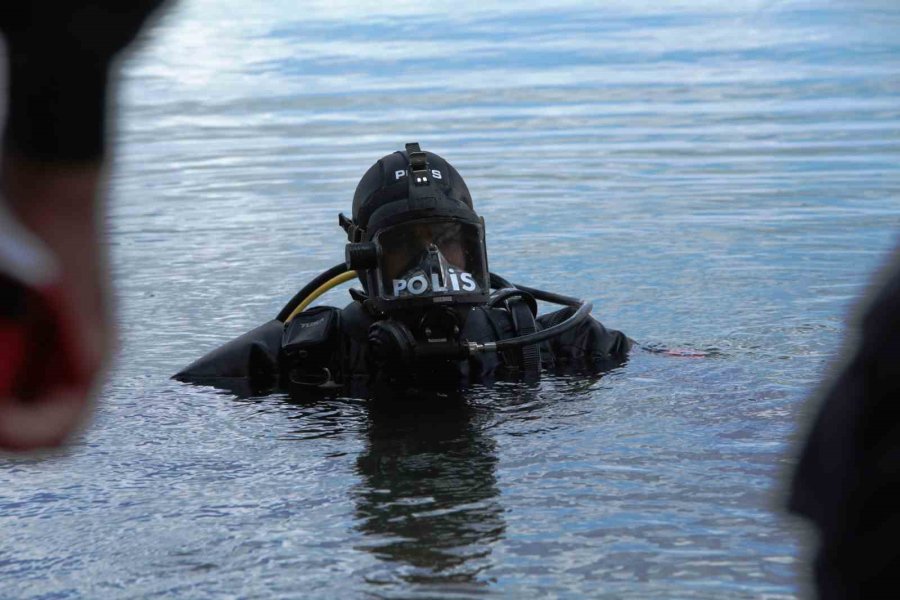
437 258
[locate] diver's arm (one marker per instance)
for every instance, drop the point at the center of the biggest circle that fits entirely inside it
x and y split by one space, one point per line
589 345
250 359
275 354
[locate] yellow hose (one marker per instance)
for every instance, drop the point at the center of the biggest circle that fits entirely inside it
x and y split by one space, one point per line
334 281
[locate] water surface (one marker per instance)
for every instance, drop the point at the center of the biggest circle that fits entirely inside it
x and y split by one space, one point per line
717 178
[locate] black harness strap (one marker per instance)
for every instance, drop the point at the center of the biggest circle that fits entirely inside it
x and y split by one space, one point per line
528 358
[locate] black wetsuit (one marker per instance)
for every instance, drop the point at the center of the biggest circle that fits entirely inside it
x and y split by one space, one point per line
325 349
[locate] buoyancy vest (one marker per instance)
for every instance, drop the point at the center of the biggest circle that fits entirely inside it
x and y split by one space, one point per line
325 347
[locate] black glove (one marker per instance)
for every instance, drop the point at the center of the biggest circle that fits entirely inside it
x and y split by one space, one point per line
59 53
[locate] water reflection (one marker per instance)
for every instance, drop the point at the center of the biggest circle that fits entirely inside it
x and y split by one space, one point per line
428 502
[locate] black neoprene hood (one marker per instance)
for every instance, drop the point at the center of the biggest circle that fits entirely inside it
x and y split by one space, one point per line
385 190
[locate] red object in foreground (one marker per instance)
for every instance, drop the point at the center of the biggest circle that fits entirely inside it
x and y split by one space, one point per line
44 376
12 353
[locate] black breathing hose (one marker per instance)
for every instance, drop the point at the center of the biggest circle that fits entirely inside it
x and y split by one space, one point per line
498 282
539 336
467 349
507 290
504 294
582 312
551 297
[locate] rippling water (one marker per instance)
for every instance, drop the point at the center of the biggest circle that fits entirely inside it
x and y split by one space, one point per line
719 178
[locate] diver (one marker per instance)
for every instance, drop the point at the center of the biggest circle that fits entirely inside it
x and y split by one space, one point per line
429 316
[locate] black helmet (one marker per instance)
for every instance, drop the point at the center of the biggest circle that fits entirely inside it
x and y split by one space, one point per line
414 237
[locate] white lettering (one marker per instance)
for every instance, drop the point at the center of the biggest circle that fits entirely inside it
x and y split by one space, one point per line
436 174
436 283
399 174
417 284
458 281
313 324
469 284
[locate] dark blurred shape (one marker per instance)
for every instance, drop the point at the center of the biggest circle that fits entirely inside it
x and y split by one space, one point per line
59 54
56 327
848 479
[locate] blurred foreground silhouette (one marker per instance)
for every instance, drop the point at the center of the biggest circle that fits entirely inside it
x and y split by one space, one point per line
56 326
848 479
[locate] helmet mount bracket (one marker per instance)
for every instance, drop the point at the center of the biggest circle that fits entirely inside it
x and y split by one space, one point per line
418 166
